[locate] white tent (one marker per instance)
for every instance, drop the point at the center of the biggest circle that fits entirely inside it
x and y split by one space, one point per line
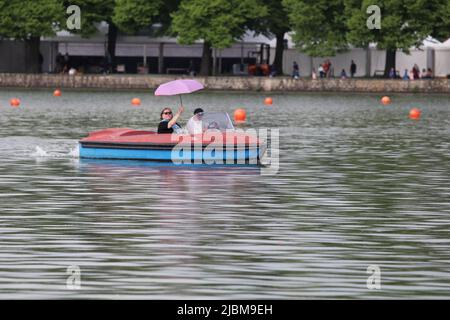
442 59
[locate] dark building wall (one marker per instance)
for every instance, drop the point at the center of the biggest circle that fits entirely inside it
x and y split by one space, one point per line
12 56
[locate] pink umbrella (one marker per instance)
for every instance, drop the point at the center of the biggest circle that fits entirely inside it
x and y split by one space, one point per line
178 87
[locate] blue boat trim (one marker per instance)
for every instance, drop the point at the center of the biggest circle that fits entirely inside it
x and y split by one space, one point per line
150 146
186 154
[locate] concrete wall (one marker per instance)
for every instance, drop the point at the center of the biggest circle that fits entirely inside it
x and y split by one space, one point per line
117 82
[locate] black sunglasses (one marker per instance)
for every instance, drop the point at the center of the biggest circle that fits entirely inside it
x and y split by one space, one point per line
169 112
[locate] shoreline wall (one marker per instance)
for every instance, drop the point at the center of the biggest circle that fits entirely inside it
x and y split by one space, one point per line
231 83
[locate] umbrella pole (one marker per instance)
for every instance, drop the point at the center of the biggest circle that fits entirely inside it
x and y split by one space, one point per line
181 101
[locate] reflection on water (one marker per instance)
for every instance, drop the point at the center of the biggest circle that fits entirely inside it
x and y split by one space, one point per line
359 184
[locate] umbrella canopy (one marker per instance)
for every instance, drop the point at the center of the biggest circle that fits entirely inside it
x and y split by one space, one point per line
178 87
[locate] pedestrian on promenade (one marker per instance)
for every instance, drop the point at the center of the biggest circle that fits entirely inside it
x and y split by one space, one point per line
352 69
191 69
295 70
59 63
392 74
405 75
416 71
321 71
331 72
326 67
67 60
314 74
424 73
272 71
411 74
343 74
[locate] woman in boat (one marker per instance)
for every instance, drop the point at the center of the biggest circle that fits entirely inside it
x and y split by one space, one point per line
168 123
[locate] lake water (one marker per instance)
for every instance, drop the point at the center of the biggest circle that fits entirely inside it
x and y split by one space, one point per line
359 185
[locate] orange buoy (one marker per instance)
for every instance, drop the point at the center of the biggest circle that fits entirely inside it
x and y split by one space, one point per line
268 101
57 93
414 113
240 115
14 102
136 102
385 100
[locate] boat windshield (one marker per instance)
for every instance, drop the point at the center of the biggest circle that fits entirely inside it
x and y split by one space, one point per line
202 122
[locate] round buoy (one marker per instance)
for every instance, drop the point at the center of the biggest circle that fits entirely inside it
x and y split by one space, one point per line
385 100
136 102
414 113
240 115
268 101
14 102
57 93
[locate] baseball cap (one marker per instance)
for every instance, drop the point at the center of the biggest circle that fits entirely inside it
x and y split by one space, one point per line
198 110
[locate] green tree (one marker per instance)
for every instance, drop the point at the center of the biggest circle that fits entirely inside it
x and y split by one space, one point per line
274 24
441 27
319 26
165 16
92 13
217 22
28 20
133 15
404 24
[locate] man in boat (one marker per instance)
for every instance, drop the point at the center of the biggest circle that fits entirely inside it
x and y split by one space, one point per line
194 125
168 123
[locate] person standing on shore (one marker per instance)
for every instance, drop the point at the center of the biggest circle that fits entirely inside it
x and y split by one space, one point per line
191 69
326 67
352 69
405 75
392 74
331 71
314 74
321 71
424 73
411 74
295 70
416 72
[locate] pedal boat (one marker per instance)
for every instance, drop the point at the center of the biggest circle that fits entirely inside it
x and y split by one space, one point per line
223 145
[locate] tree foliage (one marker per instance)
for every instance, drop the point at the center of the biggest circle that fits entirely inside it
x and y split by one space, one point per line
132 15
404 23
274 22
324 27
25 19
92 13
218 22
319 25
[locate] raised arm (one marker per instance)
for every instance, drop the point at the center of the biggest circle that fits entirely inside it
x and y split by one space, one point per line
175 117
